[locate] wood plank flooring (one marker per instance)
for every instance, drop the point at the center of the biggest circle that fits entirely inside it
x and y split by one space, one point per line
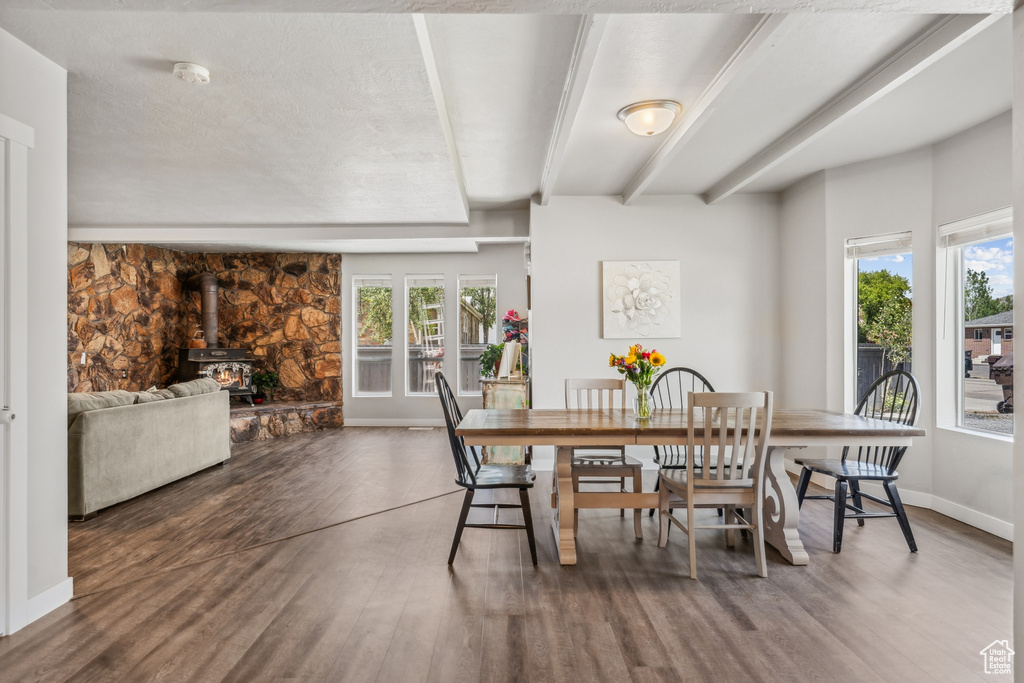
322 557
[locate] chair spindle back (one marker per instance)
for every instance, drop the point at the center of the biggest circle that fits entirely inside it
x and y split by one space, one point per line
595 394
893 397
670 391
465 468
731 430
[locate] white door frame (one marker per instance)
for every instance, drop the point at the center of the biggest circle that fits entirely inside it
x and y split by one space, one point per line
15 141
997 341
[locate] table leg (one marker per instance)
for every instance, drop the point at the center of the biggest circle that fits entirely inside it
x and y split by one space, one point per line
562 499
781 509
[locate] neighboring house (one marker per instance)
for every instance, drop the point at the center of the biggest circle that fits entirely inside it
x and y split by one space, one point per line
471 324
991 335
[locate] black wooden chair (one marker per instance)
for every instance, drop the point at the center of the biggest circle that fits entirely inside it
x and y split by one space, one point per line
892 397
669 391
472 476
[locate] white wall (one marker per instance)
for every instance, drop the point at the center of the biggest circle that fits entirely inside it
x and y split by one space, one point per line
802 307
877 197
972 476
958 473
1017 146
973 171
505 261
33 91
729 263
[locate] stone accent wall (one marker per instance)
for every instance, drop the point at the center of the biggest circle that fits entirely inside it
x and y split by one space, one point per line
128 311
285 309
126 314
271 420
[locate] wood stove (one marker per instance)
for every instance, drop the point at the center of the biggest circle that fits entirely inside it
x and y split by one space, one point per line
231 367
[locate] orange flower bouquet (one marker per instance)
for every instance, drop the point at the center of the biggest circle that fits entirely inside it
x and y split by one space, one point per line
639 367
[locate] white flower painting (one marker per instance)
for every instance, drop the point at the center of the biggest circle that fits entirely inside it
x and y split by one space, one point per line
641 299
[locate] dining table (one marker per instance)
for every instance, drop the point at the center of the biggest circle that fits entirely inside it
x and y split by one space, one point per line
565 429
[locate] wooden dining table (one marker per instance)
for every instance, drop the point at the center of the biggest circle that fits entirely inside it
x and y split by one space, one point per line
565 429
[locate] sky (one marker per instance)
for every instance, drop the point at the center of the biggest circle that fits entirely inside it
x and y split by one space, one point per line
995 258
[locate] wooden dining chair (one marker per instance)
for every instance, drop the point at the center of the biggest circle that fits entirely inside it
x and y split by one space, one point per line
473 476
669 391
892 397
731 431
602 464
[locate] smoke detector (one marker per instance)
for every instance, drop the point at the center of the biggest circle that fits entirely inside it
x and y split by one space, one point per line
192 73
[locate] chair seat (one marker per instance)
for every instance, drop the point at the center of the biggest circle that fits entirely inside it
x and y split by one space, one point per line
502 476
675 480
612 461
849 469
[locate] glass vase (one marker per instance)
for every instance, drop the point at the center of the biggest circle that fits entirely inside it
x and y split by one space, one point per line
643 404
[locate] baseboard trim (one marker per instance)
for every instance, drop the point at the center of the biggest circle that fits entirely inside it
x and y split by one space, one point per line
391 422
961 513
50 599
979 520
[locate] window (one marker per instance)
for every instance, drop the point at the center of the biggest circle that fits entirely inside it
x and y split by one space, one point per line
477 327
884 270
372 338
979 262
425 332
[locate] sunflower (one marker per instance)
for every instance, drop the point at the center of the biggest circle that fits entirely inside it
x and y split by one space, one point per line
657 360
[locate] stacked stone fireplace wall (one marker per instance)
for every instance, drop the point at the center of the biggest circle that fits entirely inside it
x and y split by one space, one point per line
129 313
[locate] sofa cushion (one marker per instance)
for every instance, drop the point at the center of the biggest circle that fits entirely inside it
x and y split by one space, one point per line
150 396
82 402
161 393
196 387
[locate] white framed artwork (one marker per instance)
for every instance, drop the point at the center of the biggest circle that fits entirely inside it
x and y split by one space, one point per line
641 299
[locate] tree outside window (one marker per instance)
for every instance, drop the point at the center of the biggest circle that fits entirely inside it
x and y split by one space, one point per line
884 317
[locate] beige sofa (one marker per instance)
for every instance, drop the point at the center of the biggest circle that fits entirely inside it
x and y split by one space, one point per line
122 444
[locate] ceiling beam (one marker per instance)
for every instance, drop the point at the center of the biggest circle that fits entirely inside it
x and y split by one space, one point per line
939 40
695 117
430 62
531 6
584 52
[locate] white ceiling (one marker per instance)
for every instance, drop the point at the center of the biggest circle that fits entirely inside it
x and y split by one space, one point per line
328 120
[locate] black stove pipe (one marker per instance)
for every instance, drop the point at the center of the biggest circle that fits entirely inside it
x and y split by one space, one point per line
206 285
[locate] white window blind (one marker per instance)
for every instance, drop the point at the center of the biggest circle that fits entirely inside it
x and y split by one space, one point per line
424 281
371 281
477 281
878 245
981 228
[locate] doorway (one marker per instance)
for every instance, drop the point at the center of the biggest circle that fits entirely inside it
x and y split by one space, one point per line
15 141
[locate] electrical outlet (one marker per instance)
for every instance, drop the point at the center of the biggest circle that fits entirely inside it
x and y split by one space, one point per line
124 374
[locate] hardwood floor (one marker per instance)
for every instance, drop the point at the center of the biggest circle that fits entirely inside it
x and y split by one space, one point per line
322 557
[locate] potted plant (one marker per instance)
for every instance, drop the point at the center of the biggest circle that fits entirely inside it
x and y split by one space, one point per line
490 358
264 382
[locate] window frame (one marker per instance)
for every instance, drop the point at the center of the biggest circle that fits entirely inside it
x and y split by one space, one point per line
951 274
357 281
407 358
459 285
856 248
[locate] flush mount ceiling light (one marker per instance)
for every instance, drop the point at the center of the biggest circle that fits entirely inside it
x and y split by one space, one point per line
650 117
192 73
